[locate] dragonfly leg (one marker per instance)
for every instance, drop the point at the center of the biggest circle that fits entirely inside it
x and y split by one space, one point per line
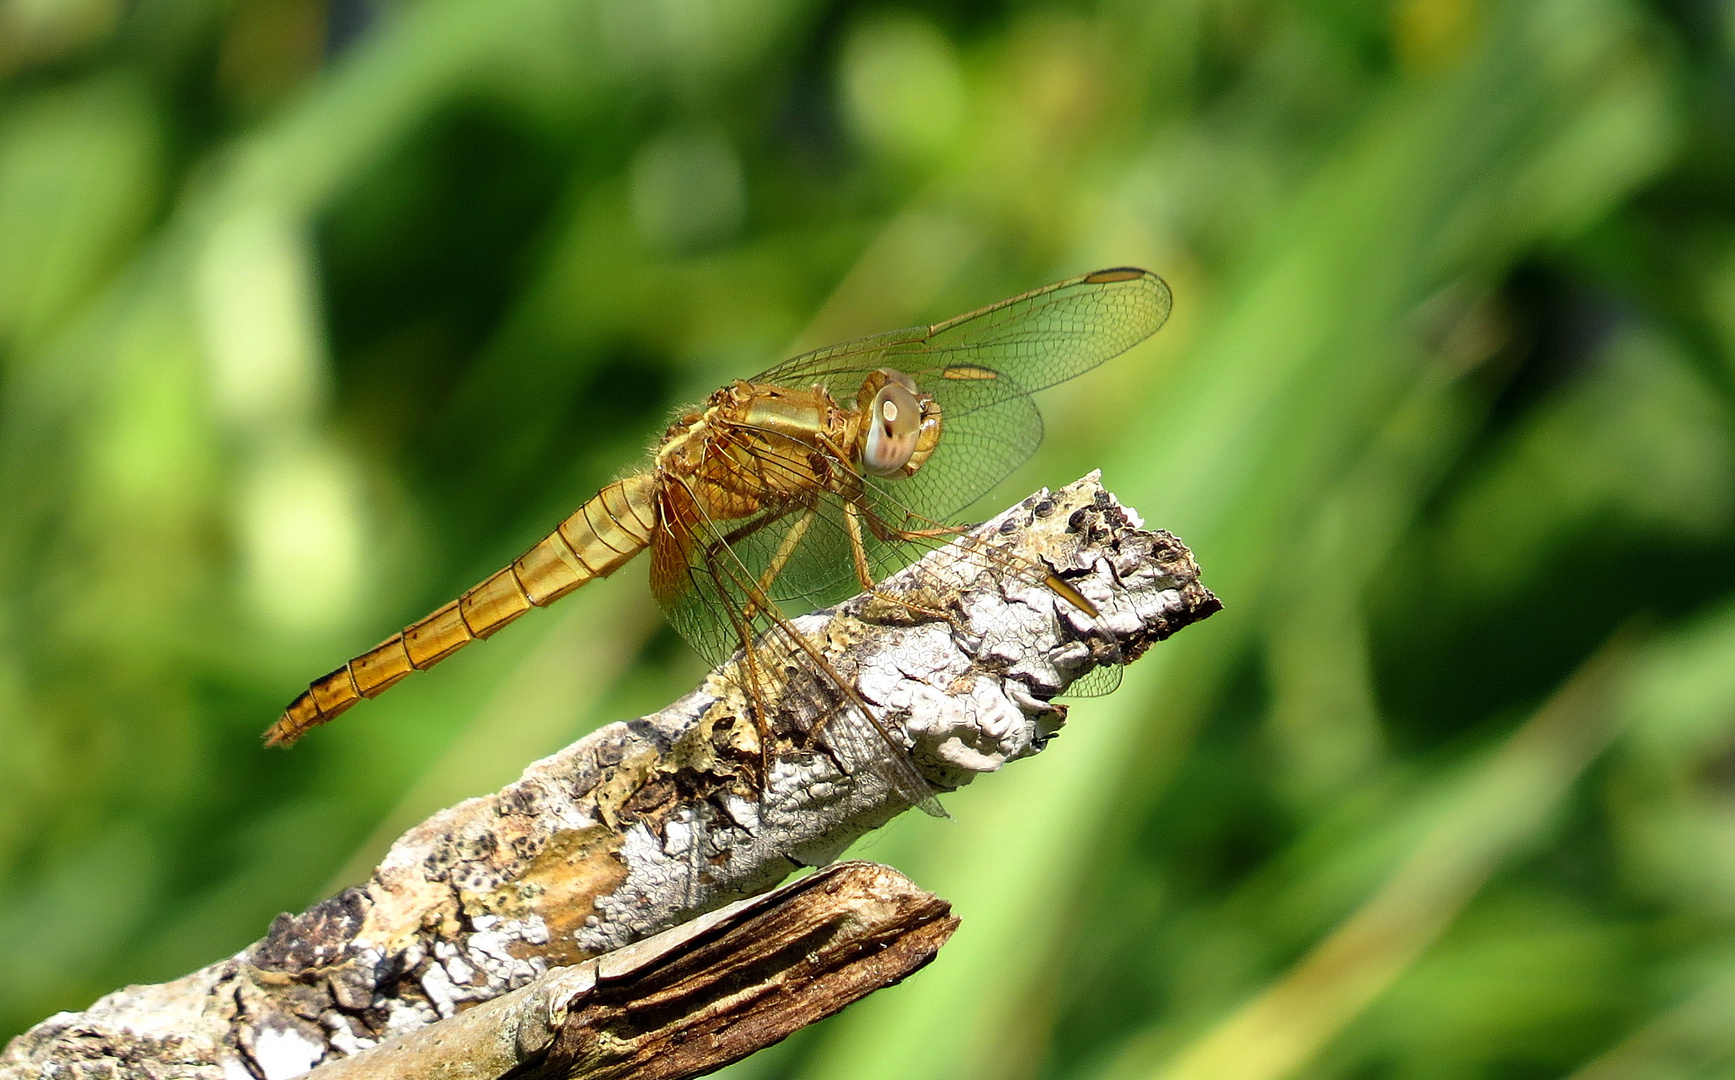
885 531
785 549
853 512
857 549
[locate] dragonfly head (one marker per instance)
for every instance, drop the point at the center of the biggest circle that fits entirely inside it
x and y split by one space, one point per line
900 425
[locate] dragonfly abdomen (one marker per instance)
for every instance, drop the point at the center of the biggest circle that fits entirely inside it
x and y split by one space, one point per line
599 538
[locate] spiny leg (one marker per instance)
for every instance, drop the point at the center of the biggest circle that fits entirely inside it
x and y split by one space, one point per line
710 556
853 515
785 549
759 600
857 549
885 531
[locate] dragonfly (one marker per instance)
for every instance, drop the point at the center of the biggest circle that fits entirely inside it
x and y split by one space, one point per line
797 487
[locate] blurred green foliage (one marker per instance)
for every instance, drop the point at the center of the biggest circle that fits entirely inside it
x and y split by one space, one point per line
313 312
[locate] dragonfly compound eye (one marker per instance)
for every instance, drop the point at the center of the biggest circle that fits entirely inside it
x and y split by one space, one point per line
894 426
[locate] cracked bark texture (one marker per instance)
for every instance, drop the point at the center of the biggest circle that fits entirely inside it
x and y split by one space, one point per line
690 1000
645 824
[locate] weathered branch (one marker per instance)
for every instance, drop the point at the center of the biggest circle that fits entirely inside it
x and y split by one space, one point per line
689 1000
645 824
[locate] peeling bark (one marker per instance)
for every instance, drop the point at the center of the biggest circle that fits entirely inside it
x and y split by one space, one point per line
689 1000
643 825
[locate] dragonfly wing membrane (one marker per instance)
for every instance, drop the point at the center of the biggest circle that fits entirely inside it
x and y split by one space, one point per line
1054 333
983 366
1034 340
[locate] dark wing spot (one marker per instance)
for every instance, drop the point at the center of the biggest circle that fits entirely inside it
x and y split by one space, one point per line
1118 273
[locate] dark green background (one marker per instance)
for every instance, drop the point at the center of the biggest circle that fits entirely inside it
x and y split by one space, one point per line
313 312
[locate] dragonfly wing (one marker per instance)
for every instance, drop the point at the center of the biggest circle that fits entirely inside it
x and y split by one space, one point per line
1050 334
1043 337
1097 682
690 583
711 577
982 367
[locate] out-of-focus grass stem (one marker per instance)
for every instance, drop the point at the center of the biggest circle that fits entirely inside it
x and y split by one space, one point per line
1501 806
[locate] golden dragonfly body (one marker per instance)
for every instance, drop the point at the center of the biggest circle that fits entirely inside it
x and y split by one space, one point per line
797 486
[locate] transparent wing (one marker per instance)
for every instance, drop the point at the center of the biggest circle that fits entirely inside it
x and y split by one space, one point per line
1097 682
1018 346
695 588
981 442
982 368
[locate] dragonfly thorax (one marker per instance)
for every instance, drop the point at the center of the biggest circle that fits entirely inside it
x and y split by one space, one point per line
806 416
753 447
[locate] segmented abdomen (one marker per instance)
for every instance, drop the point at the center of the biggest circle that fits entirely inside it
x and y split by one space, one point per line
599 538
